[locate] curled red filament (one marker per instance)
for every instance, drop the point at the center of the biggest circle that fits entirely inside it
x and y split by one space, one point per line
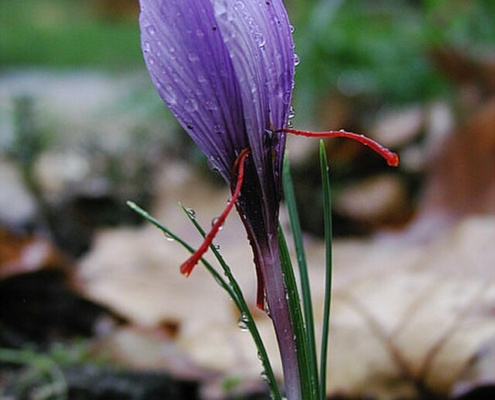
188 265
391 157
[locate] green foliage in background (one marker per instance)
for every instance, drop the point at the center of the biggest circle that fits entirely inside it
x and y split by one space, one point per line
381 49
65 33
357 48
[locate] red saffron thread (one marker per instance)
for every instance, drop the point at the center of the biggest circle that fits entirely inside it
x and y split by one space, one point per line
188 265
391 157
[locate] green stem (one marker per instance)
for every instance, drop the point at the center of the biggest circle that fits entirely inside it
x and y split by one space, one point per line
297 320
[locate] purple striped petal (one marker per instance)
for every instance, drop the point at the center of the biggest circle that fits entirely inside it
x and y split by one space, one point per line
225 70
189 65
259 40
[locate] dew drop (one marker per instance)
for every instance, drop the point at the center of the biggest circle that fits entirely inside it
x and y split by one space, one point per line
266 307
168 237
286 97
146 47
191 212
292 112
191 105
169 95
221 10
264 376
242 322
218 129
212 164
211 105
260 39
193 57
214 221
151 29
297 60
292 29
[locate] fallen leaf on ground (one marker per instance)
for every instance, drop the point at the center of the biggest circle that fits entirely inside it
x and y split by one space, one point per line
408 315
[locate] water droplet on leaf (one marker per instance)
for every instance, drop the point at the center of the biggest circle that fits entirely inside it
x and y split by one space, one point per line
242 322
168 237
191 212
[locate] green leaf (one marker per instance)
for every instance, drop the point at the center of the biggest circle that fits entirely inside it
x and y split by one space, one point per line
230 286
327 216
290 201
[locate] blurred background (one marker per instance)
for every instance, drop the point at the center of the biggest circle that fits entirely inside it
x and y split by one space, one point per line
82 131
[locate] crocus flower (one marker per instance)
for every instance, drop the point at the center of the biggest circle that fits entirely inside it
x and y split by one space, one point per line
225 69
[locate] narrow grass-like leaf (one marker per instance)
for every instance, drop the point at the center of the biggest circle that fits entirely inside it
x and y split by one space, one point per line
245 311
170 235
231 287
327 217
307 379
307 302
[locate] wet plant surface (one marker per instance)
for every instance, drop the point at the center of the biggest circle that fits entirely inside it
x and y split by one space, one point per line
91 302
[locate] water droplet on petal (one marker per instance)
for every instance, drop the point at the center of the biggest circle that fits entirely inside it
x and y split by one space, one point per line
151 29
266 307
211 105
292 29
292 112
287 97
218 129
297 60
221 9
146 47
193 57
191 105
169 95
260 39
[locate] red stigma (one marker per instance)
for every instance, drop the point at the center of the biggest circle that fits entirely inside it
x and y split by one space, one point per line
391 157
188 265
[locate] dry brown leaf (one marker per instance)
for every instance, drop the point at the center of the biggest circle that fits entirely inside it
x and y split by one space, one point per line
417 325
406 313
21 254
461 176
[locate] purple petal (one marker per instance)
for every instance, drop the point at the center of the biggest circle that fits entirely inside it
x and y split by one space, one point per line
259 40
189 65
225 69
258 36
